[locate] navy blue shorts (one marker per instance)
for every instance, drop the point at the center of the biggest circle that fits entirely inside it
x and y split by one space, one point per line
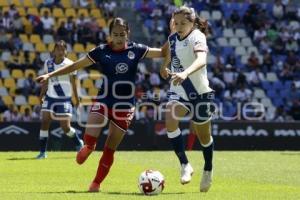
57 106
201 107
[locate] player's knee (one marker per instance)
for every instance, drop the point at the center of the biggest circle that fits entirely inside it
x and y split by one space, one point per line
70 131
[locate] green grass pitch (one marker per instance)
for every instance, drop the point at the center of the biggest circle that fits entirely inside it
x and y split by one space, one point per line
237 175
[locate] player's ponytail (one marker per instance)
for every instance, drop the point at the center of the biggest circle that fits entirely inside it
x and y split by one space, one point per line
119 22
201 24
191 15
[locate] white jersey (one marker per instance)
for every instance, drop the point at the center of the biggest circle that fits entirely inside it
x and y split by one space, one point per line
182 56
58 86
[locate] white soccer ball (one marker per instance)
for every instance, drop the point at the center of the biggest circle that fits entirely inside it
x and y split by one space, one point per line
151 182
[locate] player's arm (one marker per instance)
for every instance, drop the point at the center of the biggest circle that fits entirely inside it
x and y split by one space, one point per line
154 53
44 89
198 63
164 69
74 87
81 63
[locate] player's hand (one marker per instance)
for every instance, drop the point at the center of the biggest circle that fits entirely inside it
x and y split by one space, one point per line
178 78
43 78
41 100
165 73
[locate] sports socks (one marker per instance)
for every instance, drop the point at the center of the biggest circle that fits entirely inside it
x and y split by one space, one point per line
178 145
208 154
43 140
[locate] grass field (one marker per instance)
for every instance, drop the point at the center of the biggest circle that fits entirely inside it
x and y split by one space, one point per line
237 175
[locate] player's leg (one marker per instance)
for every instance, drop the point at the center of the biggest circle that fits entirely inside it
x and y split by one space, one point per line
95 123
44 133
113 140
203 112
175 111
203 132
65 124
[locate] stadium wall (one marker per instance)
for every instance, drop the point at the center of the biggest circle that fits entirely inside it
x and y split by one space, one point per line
152 136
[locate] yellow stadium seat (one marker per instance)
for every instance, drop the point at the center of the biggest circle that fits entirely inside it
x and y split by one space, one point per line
42 11
23 107
40 47
51 47
66 3
89 46
17 73
30 71
78 48
33 11
72 56
35 38
21 11
5 9
58 12
4 3
88 83
83 11
31 56
7 100
1 83
33 100
9 83
2 66
28 3
24 38
101 22
94 74
62 19
12 92
93 92
96 13
70 12
38 2
16 2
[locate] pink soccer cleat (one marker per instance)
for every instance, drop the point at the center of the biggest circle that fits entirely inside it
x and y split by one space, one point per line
83 154
94 187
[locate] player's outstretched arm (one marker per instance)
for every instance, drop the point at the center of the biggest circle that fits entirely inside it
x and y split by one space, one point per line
198 63
164 69
74 87
81 63
154 53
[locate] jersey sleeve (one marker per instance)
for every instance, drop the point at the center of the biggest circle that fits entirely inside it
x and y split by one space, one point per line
141 50
95 54
198 41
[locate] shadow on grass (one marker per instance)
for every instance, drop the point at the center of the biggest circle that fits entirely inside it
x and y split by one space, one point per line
109 193
52 158
290 153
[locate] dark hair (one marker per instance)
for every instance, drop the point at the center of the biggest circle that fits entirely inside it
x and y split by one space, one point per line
61 43
119 22
192 16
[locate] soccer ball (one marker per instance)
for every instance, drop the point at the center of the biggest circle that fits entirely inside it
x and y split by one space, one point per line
151 182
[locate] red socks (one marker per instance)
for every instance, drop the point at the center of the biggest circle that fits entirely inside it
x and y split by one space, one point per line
190 141
105 163
90 141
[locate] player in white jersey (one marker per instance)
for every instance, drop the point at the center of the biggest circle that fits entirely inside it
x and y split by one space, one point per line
189 90
56 97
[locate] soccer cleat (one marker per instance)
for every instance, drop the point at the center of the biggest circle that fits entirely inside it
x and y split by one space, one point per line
83 154
94 187
78 147
186 173
206 181
42 155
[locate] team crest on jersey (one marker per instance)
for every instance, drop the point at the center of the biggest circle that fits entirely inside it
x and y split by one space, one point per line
175 62
121 68
185 42
131 55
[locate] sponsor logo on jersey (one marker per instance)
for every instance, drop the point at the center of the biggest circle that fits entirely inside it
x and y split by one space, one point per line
131 55
121 68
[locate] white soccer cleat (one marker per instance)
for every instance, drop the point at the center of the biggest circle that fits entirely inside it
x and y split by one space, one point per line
186 173
206 181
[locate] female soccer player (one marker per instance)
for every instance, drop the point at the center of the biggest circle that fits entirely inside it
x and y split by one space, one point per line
189 90
115 101
57 102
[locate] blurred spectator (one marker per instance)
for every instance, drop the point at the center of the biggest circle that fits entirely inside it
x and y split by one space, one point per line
256 77
259 35
48 23
3 39
50 4
286 74
154 79
243 94
82 20
37 62
253 61
268 61
35 115
235 18
17 24
12 11
6 22
100 36
27 116
295 110
281 115
15 61
15 42
229 76
30 86
291 45
278 10
11 115
109 8
62 33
